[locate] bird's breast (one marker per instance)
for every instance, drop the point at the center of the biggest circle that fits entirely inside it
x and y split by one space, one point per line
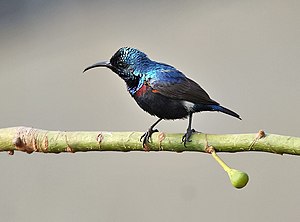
156 104
141 91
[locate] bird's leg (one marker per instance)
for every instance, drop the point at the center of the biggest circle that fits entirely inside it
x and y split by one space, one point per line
189 131
147 135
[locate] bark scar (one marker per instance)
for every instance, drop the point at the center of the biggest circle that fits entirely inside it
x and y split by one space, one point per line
17 142
46 142
161 137
26 140
261 134
100 137
146 147
68 148
208 149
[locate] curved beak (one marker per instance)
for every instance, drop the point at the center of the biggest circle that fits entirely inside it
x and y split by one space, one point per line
98 64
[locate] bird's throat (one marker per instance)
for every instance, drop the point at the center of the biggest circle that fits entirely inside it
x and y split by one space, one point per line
133 84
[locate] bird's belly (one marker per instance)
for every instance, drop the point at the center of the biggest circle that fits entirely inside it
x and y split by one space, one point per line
161 106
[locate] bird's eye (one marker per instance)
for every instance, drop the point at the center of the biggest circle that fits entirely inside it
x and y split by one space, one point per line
121 64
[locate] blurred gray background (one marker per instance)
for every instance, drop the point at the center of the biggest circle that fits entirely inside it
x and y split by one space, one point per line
244 53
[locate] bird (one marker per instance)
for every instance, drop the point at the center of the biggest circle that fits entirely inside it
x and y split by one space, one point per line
161 90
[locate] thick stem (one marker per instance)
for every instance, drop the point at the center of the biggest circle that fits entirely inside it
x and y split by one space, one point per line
35 140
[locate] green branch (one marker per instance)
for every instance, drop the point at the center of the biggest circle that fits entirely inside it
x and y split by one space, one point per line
35 140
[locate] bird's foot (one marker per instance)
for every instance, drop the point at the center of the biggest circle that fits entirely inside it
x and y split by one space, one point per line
146 137
186 137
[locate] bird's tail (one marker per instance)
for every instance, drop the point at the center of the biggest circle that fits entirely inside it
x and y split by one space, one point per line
225 110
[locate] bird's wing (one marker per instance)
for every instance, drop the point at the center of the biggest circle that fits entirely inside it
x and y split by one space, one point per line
175 85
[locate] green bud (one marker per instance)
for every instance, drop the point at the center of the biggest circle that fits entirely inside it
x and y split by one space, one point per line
238 178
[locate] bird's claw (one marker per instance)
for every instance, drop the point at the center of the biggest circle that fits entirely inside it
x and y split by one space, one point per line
146 137
186 137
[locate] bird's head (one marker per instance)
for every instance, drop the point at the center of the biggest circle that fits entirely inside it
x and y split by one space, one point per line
126 62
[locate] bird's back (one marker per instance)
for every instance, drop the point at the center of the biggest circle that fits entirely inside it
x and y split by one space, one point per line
167 93
173 84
